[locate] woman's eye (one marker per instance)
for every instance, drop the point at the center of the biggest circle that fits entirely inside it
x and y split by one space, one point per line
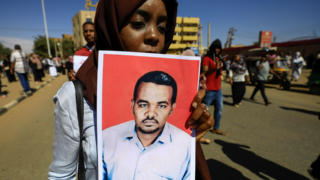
162 29
137 25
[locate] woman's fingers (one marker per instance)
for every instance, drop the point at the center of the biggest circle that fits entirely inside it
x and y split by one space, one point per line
204 127
198 98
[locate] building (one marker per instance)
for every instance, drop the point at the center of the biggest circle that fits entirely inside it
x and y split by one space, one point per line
67 36
187 34
77 21
309 49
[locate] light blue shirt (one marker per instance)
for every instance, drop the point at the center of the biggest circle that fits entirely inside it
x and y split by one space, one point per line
125 158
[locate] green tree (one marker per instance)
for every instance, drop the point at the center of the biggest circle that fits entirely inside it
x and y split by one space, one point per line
40 46
68 46
4 51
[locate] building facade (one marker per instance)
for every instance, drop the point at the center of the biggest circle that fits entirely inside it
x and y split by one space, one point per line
187 34
77 21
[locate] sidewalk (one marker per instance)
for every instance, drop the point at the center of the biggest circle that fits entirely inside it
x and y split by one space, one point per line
14 90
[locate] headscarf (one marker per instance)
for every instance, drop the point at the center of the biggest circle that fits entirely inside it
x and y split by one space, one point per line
111 16
216 44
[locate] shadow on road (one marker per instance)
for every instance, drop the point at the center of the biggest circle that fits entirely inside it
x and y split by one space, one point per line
227 103
300 110
218 170
258 165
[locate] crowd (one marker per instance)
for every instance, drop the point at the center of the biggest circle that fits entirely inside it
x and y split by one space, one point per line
30 67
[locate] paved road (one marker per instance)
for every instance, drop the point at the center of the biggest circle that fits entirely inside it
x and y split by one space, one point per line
275 142
278 141
26 134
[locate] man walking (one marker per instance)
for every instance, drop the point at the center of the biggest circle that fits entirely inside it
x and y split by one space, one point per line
263 69
19 64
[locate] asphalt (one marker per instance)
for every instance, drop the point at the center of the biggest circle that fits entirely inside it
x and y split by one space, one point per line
14 92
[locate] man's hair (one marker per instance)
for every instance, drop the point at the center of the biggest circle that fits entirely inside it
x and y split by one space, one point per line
17 47
87 22
160 78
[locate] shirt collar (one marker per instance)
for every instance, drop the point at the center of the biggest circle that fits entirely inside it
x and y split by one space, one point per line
90 49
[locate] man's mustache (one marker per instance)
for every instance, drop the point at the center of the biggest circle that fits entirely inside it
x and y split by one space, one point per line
148 119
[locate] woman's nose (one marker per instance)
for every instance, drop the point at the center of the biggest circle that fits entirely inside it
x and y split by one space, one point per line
152 36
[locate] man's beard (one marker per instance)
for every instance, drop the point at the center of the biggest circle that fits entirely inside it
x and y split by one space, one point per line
149 132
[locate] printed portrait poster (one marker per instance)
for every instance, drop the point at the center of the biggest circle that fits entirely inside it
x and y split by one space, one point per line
143 102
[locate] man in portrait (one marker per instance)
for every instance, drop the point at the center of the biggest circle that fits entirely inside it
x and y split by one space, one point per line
148 147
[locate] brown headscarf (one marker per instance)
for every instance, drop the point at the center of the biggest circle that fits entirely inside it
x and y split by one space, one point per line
111 17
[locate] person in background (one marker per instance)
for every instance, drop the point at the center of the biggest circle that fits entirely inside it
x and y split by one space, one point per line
297 65
288 58
187 52
69 67
263 69
19 64
1 71
89 36
6 67
238 76
212 69
57 63
137 26
36 66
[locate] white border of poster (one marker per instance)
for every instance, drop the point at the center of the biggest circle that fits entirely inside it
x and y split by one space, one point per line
99 101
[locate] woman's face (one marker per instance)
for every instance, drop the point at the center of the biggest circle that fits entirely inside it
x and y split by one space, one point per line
146 29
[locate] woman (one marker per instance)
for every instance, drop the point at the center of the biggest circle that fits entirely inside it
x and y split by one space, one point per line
239 75
36 67
134 25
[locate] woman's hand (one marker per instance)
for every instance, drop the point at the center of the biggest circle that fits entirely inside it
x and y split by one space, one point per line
200 119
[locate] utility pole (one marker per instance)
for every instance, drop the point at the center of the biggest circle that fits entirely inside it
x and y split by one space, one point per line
200 39
208 38
46 28
230 37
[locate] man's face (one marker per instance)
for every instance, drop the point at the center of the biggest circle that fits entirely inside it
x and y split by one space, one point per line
88 33
152 107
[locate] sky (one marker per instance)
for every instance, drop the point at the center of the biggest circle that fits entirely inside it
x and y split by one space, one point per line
22 20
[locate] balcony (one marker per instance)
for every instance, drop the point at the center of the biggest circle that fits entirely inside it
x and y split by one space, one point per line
178 29
192 45
190 29
179 20
191 20
177 38
177 46
190 38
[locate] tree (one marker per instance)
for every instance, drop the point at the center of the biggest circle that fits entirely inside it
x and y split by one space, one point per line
68 46
4 51
40 46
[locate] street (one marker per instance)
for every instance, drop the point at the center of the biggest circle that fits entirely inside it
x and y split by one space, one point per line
278 141
26 135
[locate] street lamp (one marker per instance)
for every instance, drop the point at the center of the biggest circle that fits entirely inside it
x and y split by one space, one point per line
45 27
